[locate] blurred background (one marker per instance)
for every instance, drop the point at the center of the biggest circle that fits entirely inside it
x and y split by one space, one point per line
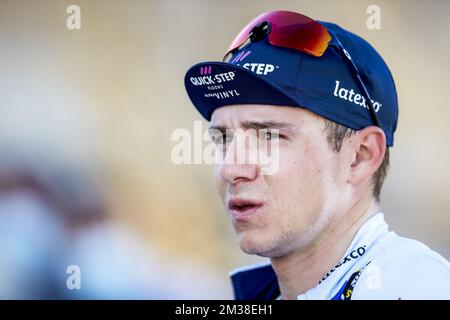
86 118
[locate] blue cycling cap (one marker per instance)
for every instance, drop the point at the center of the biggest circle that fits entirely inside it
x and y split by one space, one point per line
260 73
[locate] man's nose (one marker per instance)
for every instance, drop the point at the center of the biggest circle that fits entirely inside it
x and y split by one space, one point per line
238 164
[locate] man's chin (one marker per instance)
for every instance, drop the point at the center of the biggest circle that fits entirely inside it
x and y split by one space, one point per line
254 245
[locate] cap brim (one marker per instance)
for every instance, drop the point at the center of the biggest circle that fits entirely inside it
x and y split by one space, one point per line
211 85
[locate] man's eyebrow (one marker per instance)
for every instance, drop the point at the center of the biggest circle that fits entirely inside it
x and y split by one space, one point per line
257 125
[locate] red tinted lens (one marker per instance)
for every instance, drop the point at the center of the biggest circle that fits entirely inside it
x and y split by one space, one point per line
290 30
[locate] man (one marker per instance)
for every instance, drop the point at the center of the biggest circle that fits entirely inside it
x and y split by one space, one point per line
328 100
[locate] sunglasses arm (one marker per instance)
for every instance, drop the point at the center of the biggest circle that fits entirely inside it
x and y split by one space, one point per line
355 71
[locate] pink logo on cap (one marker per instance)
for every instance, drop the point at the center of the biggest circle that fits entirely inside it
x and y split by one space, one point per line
205 70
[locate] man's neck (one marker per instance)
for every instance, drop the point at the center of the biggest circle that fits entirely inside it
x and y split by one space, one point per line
301 270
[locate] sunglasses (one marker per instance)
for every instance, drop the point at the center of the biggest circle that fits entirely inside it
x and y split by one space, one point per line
295 31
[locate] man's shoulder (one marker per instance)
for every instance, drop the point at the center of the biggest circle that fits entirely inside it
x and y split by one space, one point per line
405 269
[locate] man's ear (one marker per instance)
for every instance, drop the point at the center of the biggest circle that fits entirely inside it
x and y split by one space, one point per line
369 147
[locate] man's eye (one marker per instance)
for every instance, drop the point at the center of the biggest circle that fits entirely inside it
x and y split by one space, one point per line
269 135
222 139
217 139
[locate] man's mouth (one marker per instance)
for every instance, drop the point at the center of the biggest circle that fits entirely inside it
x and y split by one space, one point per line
243 209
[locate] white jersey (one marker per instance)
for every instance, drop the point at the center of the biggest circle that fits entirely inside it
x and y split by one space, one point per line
377 265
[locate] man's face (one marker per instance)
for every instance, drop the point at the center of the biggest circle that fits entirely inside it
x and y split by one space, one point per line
274 215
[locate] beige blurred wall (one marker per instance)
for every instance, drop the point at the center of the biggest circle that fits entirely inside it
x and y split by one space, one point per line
110 95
